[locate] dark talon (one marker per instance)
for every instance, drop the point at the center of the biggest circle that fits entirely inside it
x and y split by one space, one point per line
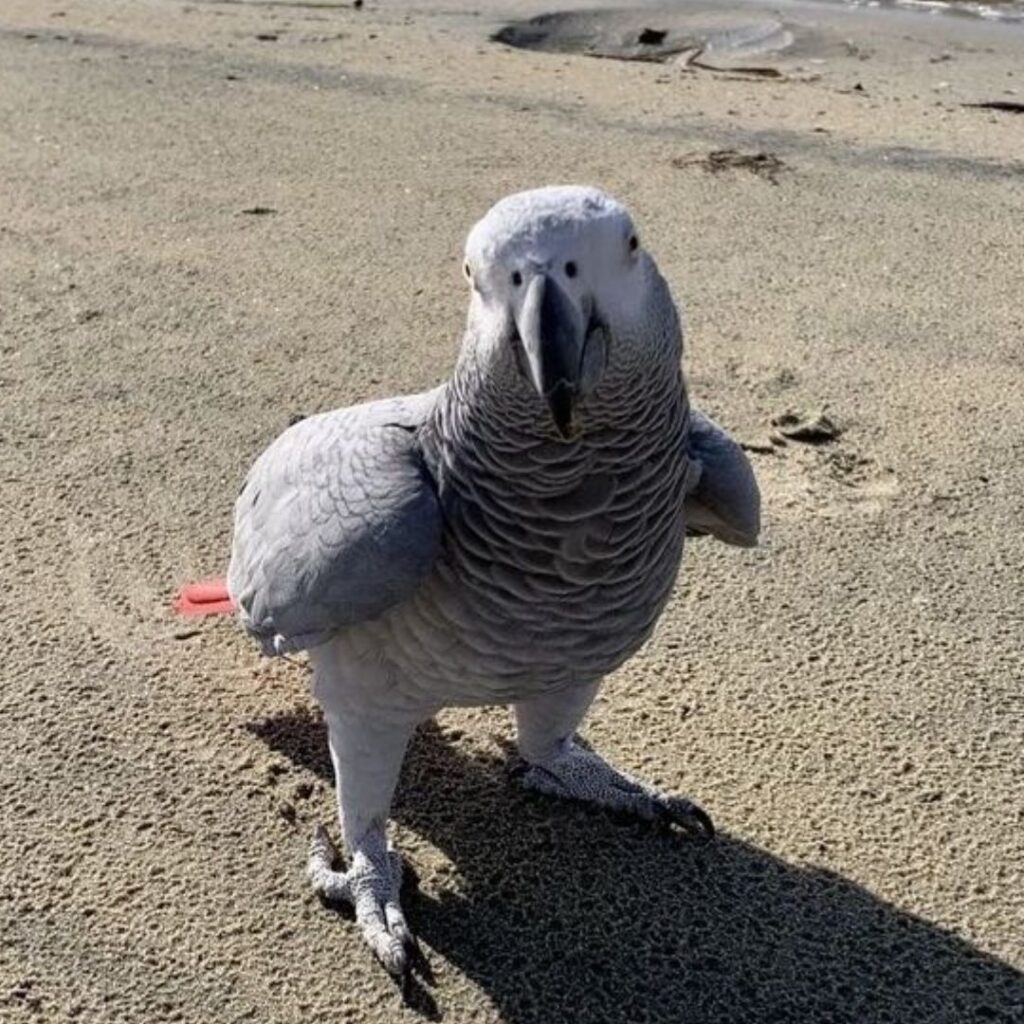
705 825
693 820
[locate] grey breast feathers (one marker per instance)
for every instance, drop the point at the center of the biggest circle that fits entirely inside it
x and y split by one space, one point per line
338 520
724 500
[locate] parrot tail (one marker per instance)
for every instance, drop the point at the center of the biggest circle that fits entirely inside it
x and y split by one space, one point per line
210 597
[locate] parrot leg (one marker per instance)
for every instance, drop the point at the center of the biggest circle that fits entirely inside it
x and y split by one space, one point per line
367 752
555 764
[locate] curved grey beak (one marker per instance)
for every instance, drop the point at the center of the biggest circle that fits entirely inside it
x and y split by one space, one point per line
553 332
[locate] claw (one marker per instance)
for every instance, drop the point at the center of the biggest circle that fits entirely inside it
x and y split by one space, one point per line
394 919
327 883
391 953
580 774
691 818
377 910
321 849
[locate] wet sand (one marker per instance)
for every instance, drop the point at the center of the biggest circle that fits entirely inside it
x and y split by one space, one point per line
846 699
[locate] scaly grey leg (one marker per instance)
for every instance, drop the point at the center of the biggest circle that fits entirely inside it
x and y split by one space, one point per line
554 763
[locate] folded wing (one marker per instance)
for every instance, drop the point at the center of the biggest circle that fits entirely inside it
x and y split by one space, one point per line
725 501
337 521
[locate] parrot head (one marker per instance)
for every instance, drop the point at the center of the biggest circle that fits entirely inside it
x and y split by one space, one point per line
560 280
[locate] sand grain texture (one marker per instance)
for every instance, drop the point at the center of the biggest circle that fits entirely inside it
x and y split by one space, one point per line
846 699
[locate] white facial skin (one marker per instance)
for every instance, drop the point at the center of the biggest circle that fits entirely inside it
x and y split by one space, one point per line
559 267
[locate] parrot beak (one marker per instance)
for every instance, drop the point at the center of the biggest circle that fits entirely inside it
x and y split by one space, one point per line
553 333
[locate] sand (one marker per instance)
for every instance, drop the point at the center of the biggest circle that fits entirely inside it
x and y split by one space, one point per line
846 699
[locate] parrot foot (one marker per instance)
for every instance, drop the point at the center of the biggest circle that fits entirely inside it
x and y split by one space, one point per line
575 773
371 885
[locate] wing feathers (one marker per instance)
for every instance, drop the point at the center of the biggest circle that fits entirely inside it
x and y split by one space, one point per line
338 521
725 500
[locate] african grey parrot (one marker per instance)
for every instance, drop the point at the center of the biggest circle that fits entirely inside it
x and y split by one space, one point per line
508 538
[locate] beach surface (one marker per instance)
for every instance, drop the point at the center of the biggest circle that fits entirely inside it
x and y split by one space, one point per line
216 216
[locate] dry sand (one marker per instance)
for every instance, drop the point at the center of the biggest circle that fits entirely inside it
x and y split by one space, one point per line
846 699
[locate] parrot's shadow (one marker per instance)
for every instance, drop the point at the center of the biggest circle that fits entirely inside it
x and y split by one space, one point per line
560 914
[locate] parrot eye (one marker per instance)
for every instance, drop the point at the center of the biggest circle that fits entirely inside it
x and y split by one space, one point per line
517 278
633 243
570 269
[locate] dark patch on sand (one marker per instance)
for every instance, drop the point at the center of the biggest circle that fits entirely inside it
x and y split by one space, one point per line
558 906
811 428
762 165
1005 106
624 34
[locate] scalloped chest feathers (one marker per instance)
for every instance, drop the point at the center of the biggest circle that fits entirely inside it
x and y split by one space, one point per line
557 561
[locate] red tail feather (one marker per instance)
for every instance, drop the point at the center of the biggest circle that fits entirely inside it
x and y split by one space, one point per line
210 597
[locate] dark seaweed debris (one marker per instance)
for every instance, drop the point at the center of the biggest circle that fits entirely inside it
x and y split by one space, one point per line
811 428
764 165
1006 106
